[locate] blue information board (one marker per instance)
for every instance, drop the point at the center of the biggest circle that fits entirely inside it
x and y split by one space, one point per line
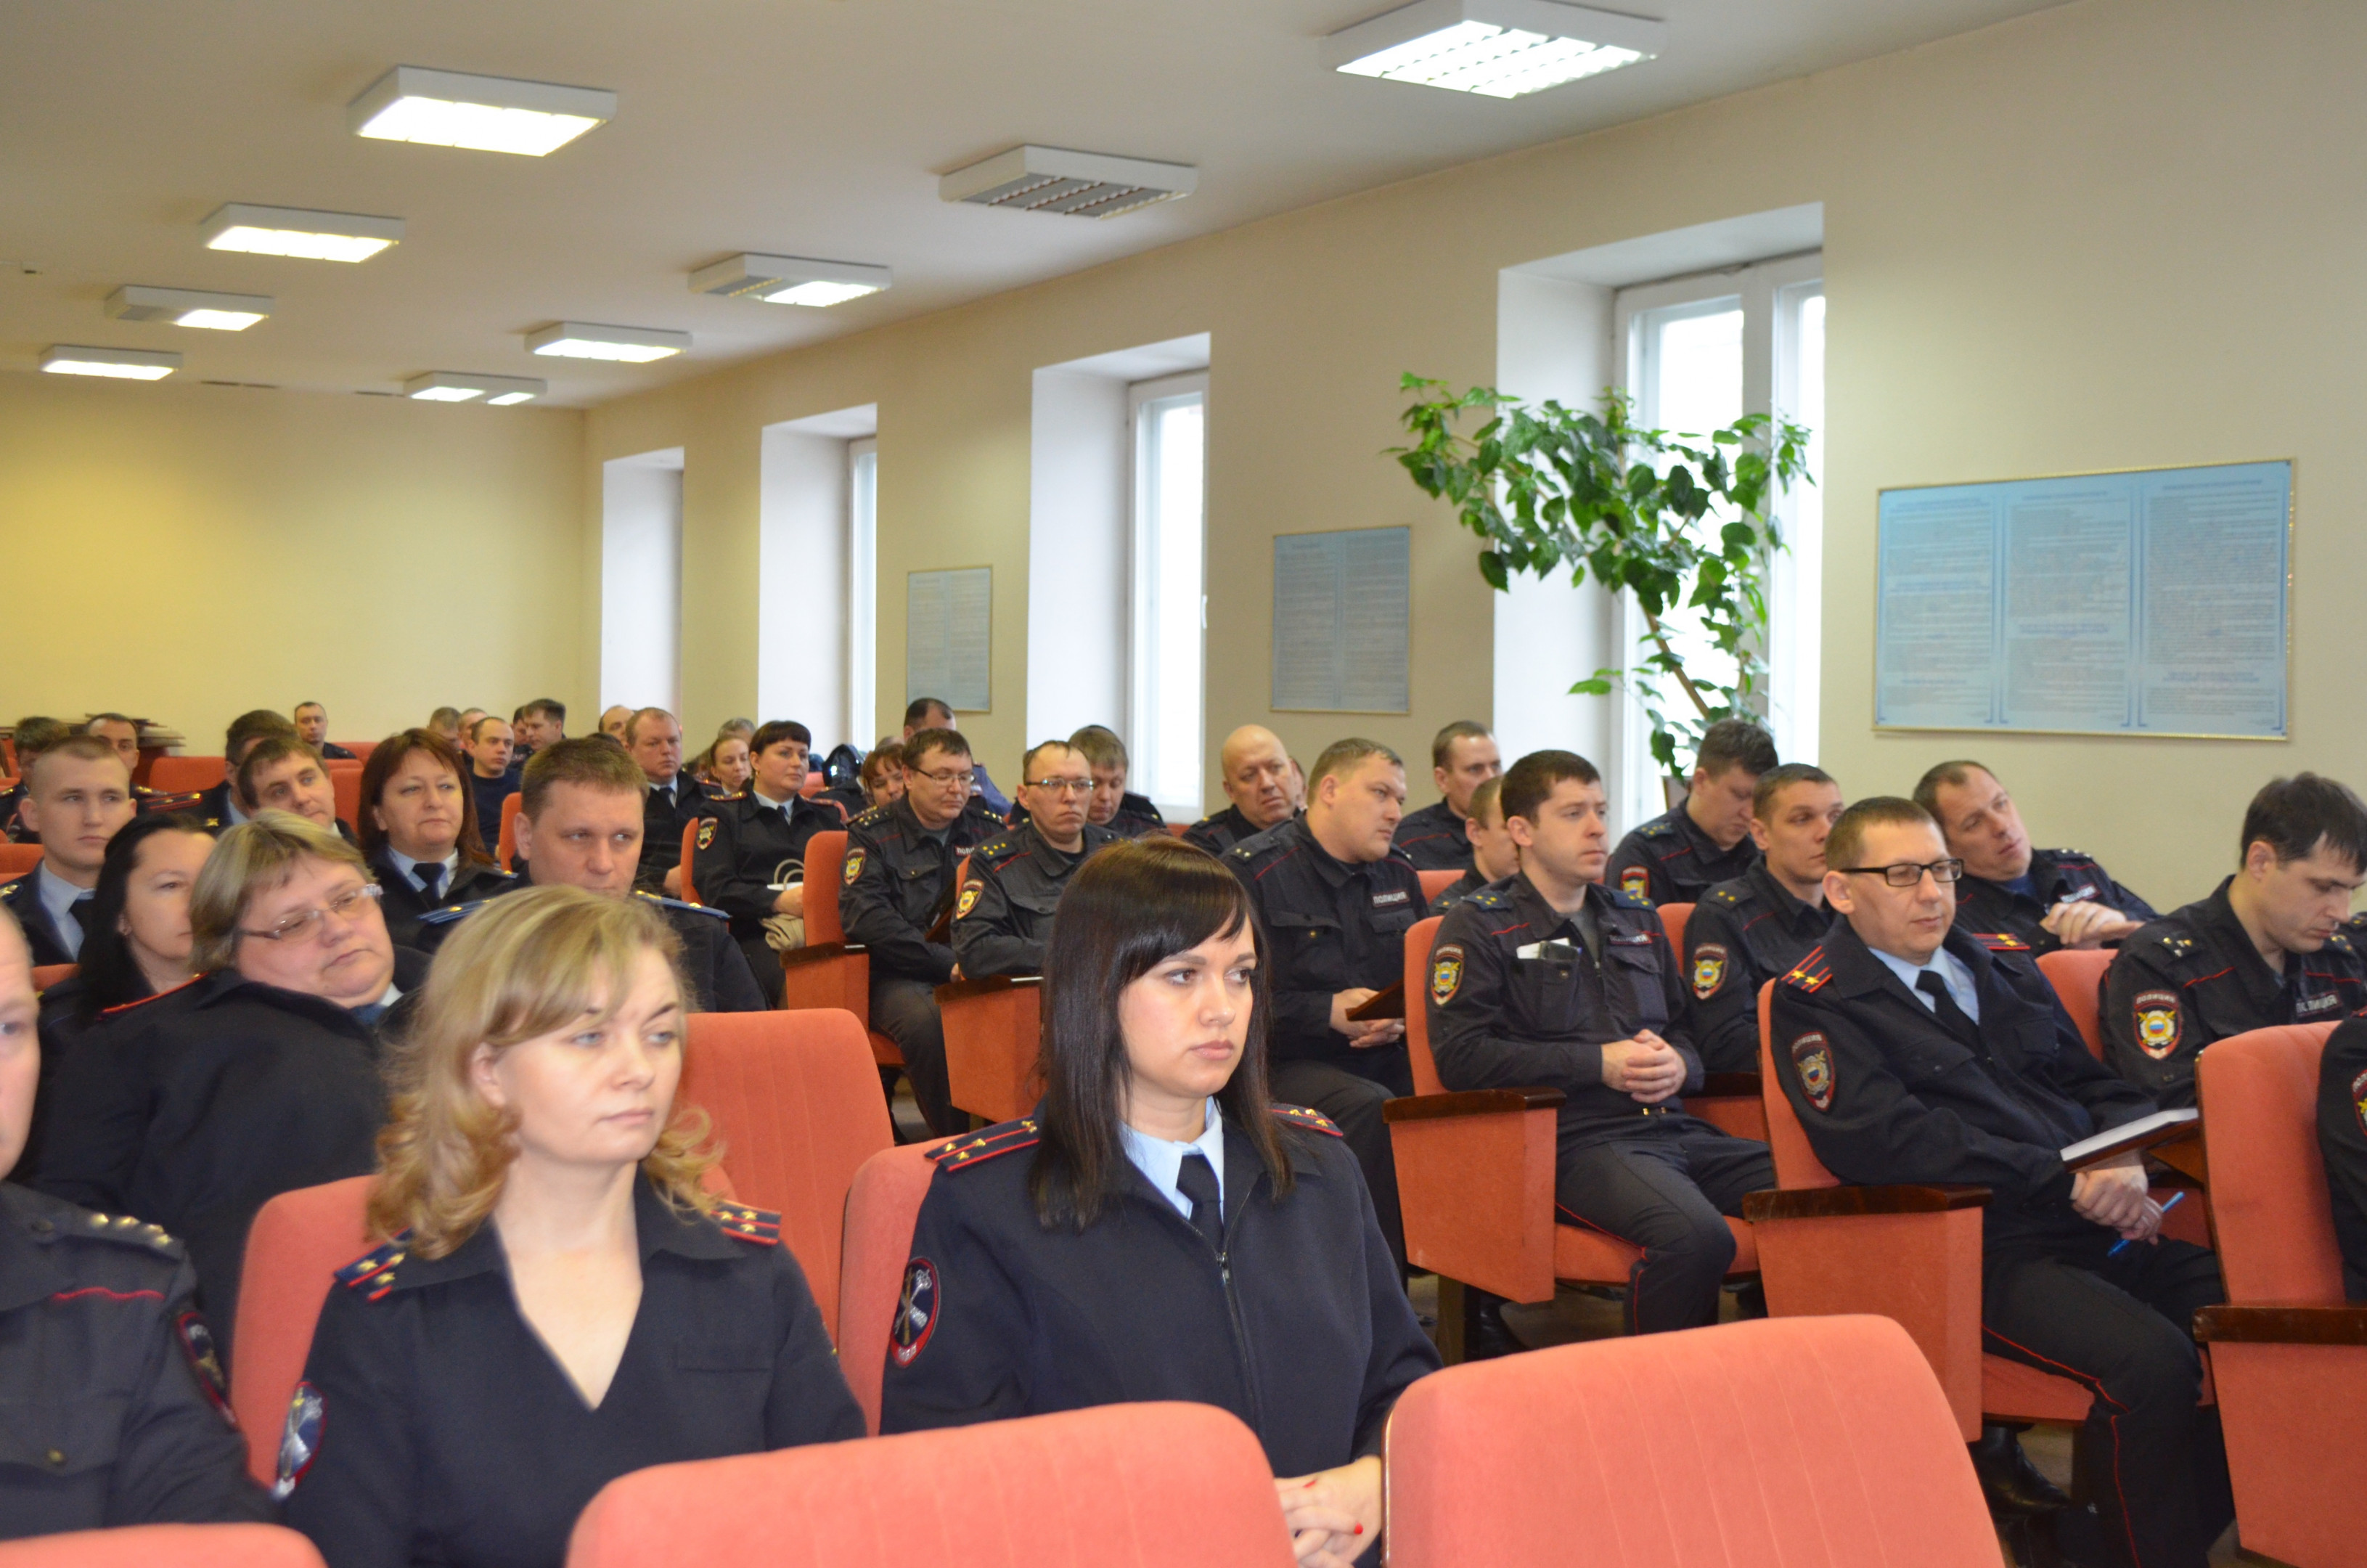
2150 603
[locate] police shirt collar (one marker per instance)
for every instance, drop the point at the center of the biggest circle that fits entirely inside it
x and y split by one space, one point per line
1543 920
1856 971
57 897
1336 871
404 864
767 802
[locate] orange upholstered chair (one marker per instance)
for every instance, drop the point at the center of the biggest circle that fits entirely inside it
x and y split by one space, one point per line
1727 1101
165 1546
880 1212
1148 1485
829 971
689 847
1476 1182
795 1098
2288 1353
48 974
16 859
1672 920
2078 976
179 775
361 749
298 1242
1628 1452
992 1029
346 778
506 851
813 783
1436 882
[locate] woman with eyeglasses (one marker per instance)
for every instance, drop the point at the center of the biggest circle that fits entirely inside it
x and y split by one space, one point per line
192 1109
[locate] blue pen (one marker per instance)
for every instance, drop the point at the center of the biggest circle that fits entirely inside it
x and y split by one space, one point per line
2174 1200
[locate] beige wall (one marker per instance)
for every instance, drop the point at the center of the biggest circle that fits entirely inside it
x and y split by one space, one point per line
187 552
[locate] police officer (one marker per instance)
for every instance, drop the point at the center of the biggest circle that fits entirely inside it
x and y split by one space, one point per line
750 856
1494 856
32 736
2046 898
579 823
313 727
1915 1051
2267 947
420 833
1553 979
1259 780
1336 899
1436 839
1746 932
1160 1229
2342 1140
493 775
77 797
1684 852
674 800
1113 806
929 714
116 1413
282 774
1005 912
543 722
220 806
897 899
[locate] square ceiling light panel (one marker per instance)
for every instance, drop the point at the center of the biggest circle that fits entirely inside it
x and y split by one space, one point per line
188 307
586 340
453 386
294 231
489 114
1499 49
1074 185
789 279
124 364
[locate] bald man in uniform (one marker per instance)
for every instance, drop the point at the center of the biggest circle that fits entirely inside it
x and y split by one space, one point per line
1259 780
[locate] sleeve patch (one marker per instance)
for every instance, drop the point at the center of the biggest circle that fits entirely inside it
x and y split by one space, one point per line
853 868
705 833
205 1360
2358 1100
1812 1058
1446 973
299 1440
968 900
2157 1025
917 1306
1636 881
1708 969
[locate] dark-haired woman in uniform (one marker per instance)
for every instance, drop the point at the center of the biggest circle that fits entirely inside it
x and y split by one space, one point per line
1158 1230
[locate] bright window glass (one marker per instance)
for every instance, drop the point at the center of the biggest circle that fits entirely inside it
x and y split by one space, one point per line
1170 609
862 589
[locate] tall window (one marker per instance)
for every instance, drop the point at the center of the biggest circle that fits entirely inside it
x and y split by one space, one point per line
862 590
1169 603
1698 353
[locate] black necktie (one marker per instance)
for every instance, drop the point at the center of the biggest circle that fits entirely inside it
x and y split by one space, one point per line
79 910
1197 1179
1945 1004
431 878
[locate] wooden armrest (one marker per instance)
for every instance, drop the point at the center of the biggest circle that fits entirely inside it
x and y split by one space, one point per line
1833 1203
820 953
2271 1325
954 990
1469 1102
1725 1084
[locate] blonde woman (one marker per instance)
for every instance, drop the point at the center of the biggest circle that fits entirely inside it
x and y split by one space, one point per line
559 1302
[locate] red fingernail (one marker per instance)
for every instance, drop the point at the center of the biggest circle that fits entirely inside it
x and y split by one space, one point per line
1360 1529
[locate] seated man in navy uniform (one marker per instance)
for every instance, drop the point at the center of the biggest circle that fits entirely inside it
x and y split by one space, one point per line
77 798
896 898
312 725
929 714
1744 933
2342 1140
1005 912
282 774
674 800
750 859
33 735
1494 855
1462 757
2047 897
1113 806
1259 780
2267 947
1915 1051
1336 899
218 807
1553 980
579 823
1689 849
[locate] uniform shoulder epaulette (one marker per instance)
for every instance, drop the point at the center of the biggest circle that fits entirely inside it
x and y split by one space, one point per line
1301 1116
1656 830
996 848
1621 898
718 792
1489 898
143 1001
707 909
1812 972
373 1272
1725 894
757 1227
2000 941
1003 1138
2176 944
8 889
2340 942
123 1230
153 801
451 912
868 815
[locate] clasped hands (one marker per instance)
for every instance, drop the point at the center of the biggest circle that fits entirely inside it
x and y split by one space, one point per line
1333 1515
2087 923
1372 1032
1646 1069
2117 1196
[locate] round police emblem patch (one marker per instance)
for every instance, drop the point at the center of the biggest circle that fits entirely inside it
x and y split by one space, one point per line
916 1312
1636 881
1709 970
1812 1058
853 866
1446 973
2157 1022
968 899
300 1439
205 1360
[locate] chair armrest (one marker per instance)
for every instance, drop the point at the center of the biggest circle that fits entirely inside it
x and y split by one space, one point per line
820 953
2258 1324
1740 1085
1476 1185
827 974
1469 1102
1833 1203
954 990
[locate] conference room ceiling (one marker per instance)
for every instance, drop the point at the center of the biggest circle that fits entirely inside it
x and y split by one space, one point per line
804 127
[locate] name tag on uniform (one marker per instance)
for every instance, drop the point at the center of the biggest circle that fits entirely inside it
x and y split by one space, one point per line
2077 895
1383 900
1633 939
1554 952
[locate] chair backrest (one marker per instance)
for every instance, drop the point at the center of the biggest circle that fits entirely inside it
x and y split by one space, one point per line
1796 1164
690 848
1418 942
48 974
507 852
825 862
2078 976
181 1546
361 749
1672 920
813 783
178 774
1178 829
300 1241
2271 1217
346 778
1811 1440
881 1210
16 859
1436 882
1148 1485
795 1098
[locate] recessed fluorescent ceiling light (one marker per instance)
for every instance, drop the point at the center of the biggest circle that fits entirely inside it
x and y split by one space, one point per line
583 340
451 386
1077 185
293 230
188 307
491 114
1499 49
128 364
789 279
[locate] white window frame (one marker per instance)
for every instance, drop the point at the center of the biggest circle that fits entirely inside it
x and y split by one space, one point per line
1145 399
862 589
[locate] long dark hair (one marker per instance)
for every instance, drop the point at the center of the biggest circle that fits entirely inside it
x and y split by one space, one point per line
110 976
393 753
1126 910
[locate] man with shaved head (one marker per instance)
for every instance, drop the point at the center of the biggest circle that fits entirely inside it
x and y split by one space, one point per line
1260 783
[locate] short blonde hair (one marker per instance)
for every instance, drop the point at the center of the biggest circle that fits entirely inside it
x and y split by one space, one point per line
253 857
524 966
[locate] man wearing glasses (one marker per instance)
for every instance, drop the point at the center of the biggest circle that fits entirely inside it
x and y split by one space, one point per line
1917 1053
1004 910
896 898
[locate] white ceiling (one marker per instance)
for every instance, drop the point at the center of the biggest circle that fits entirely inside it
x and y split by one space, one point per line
794 127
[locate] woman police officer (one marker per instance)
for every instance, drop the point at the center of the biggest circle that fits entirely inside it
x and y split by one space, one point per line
1158 1230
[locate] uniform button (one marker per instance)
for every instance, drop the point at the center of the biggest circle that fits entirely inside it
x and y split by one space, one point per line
43 1228
55 1456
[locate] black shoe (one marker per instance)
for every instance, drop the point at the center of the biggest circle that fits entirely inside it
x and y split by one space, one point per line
1485 1335
2013 1485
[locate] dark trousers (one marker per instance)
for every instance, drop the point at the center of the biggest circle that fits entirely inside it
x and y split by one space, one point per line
1353 1100
1665 1192
766 963
906 1012
2123 1326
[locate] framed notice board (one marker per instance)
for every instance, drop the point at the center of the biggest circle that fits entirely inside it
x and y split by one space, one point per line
2148 603
1342 604
949 636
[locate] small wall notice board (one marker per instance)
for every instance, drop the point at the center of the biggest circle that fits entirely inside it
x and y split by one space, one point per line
949 636
1340 608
